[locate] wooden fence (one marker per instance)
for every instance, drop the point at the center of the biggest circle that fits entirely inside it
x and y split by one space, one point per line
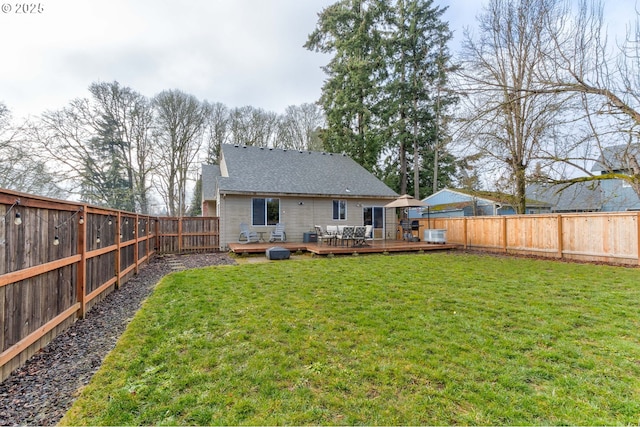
596 237
58 259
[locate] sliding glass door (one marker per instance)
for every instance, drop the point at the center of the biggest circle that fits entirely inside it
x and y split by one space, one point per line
374 215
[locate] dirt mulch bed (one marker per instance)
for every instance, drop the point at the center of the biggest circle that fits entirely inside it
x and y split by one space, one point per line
42 390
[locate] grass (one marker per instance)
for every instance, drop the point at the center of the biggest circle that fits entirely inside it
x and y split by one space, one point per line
380 340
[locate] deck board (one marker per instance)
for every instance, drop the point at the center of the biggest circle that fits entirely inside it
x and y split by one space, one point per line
377 246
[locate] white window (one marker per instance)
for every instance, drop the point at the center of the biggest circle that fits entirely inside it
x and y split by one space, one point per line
265 211
339 210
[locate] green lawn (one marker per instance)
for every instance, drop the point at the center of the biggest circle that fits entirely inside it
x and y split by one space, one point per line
437 338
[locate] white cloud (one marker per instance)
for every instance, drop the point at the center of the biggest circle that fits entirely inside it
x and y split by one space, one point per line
243 52
238 52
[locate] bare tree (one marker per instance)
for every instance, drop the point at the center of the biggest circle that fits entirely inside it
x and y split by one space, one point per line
19 169
218 130
605 83
62 138
299 128
130 116
180 123
506 118
100 145
253 126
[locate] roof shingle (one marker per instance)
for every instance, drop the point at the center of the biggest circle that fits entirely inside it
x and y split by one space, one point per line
277 171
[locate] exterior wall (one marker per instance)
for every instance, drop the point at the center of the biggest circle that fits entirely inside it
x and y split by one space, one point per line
299 214
616 197
209 208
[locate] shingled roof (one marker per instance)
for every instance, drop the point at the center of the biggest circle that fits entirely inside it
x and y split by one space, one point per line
617 158
579 197
247 169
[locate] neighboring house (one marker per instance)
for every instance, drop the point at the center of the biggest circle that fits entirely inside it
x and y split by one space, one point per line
263 186
579 197
606 195
457 203
617 194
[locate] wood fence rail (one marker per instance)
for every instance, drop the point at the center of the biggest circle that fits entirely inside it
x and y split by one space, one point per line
58 259
611 237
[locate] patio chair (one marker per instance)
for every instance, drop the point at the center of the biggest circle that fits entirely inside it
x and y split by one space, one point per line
359 233
278 234
324 235
368 232
345 235
247 235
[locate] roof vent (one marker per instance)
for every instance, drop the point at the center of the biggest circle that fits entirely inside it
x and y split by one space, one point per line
262 148
236 145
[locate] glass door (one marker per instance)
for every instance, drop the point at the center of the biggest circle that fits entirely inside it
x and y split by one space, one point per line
374 215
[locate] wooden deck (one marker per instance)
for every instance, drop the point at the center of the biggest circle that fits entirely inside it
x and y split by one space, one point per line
376 246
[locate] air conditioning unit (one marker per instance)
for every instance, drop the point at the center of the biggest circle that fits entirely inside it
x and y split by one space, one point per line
435 235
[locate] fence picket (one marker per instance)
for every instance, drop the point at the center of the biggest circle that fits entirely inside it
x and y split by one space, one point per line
611 237
46 281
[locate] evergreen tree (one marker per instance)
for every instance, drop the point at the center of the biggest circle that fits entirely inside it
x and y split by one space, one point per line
350 30
105 178
385 99
414 97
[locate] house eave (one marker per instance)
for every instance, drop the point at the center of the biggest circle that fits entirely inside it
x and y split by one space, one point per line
307 195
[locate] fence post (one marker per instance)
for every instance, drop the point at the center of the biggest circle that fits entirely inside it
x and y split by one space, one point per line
504 234
464 231
147 234
82 264
157 239
560 240
180 235
638 231
118 248
135 245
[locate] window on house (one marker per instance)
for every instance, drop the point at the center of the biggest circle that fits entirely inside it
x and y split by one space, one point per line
339 210
265 211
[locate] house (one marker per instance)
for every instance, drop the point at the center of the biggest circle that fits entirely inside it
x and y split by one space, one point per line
579 197
263 186
606 195
617 194
450 202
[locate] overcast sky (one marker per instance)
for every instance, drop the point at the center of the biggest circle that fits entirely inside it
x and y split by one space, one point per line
238 52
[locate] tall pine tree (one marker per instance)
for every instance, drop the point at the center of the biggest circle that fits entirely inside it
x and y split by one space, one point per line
417 57
350 30
384 97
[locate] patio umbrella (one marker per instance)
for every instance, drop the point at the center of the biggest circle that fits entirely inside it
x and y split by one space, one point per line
406 201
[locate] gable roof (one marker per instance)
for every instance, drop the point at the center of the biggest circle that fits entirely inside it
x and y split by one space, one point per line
490 197
578 197
262 170
210 173
617 158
